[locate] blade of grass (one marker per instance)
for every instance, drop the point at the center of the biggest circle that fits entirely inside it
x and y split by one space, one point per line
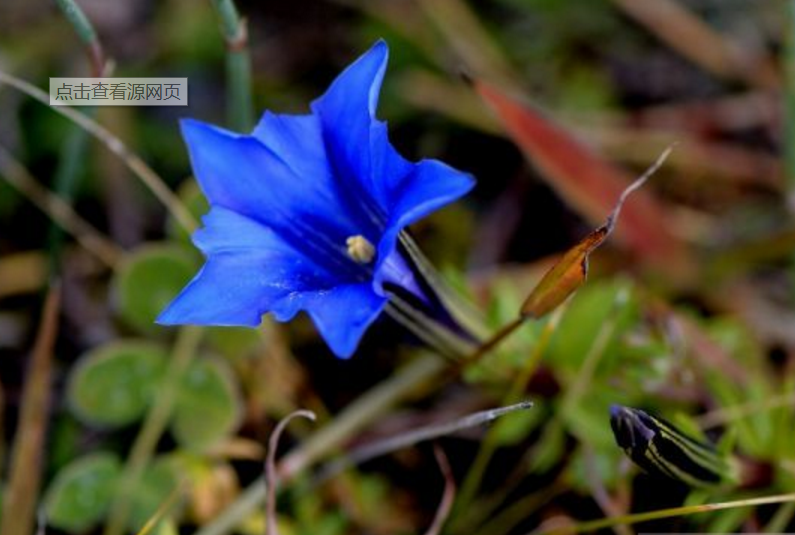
239 104
781 519
688 35
471 41
145 173
27 457
164 508
489 443
59 211
71 160
637 518
88 36
415 436
73 151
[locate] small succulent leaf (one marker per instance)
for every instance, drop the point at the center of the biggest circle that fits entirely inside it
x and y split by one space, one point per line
81 492
149 279
157 485
112 385
208 407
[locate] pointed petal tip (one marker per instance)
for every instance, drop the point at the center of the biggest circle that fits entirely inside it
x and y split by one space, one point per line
167 318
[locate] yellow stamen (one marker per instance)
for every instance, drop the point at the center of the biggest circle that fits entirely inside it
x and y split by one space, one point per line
359 249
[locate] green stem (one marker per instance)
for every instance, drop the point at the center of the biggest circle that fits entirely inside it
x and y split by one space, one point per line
70 163
85 31
239 102
636 518
154 426
489 444
781 519
73 151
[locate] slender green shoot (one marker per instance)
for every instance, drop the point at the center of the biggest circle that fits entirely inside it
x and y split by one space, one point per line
239 102
637 518
88 36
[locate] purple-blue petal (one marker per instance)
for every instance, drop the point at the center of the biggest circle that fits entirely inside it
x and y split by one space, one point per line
250 270
298 141
346 112
343 314
408 192
241 173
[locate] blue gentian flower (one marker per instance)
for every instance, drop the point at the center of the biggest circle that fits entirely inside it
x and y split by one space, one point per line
306 214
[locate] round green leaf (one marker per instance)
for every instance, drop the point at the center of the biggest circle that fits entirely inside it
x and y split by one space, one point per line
208 406
149 279
112 385
81 492
156 486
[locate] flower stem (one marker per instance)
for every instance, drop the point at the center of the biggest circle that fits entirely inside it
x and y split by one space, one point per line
152 429
239 104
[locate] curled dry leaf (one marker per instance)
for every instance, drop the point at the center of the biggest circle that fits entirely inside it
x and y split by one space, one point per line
570 271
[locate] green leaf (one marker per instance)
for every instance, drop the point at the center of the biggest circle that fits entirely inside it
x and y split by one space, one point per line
149 279
594 304
208 406
80 494
156 486
112 385
550 447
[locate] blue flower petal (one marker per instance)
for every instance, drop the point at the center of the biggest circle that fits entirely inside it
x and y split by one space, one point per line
250 271
241 173
409 191
343 314
298 141
346 111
